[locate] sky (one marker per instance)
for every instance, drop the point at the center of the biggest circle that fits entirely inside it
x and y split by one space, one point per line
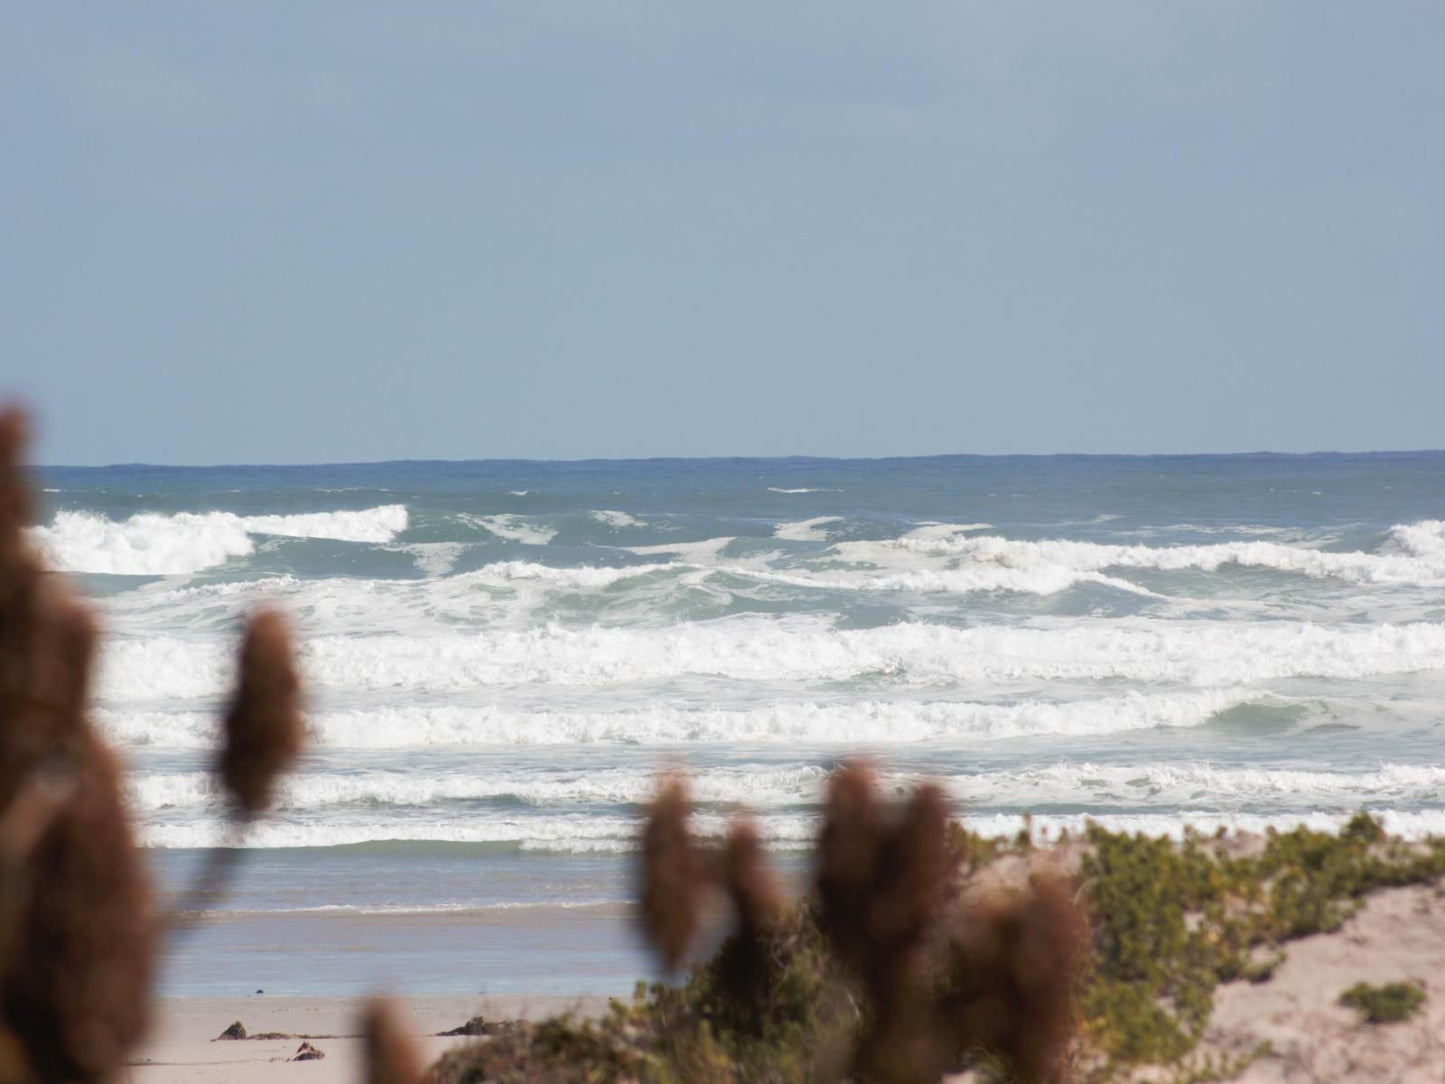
360 230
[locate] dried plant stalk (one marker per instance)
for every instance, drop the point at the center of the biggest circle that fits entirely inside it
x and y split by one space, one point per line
76 970
880 875
391 1056
263 733
77 989
22 824
263 729
749 882
672 874
880 881
744 968
847 859
1017 957
26 639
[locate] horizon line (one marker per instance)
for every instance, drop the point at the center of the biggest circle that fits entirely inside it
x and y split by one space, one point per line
1257 454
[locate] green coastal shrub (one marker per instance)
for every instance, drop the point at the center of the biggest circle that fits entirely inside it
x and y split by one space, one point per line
794 1030
1170 922
1386 1004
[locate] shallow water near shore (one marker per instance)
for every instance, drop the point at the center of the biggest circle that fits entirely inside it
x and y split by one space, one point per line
407 918
501 655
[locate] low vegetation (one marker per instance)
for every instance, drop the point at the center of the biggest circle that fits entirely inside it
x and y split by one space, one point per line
1388 1004
1174 921
1168 923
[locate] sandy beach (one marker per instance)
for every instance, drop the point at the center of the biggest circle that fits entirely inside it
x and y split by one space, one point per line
184 1045
1398 935
424 960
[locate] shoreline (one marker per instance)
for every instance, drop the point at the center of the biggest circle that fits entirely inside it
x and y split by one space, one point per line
1287 1027
525 951
183 1043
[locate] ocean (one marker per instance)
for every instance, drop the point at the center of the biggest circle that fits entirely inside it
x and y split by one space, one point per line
500 656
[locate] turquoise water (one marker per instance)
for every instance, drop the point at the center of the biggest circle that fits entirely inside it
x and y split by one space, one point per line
500 655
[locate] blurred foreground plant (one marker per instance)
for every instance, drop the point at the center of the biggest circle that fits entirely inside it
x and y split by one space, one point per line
78 933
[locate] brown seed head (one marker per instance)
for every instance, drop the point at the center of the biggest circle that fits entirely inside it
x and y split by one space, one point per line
75 975
749 882
44 677
77 991
672 874
848 858
27 663
391 1056
881 873
263 729
743 966
15 511
909 879
1019 961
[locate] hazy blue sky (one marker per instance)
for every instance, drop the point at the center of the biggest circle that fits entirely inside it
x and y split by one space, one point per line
363 230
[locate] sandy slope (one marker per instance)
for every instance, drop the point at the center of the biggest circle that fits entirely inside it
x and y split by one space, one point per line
1398 935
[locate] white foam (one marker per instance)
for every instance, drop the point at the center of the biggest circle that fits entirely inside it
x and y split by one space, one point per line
800 489
615 520
512 528
375 525
435 558
1040 579
772 788
1413 554
316 791
504 592
1182 785
929 532
1425 539
570 577
568 833
1409 824
590 832
153 544
1198 654
807 530
846 723
699 554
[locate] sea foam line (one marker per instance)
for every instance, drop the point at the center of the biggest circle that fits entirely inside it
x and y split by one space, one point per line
1412 554
619 835
764 787
573 833
847 723
1199 654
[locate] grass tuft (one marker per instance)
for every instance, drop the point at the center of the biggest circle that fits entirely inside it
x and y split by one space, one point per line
1386 1004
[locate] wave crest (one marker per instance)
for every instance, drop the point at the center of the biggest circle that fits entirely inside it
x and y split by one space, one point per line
156 544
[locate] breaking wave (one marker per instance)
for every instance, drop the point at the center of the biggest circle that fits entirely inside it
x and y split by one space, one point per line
1412 553
592 833
761 787
512 528
849 723
1197 654
153 544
